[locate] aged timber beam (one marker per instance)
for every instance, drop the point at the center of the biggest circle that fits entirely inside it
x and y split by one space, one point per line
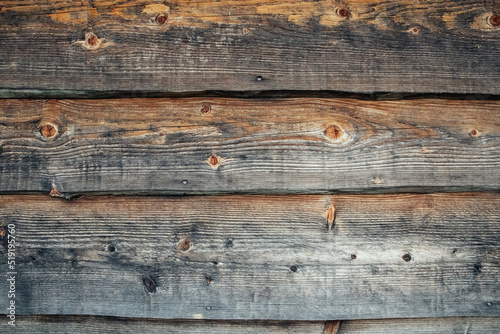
83 324
255 257
69 48
219 145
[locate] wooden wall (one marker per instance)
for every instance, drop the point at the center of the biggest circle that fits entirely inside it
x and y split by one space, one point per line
250 166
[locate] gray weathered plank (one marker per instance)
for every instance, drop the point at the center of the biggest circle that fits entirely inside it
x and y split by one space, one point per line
92 324
422 326
302 145
359 46
257 257
104 325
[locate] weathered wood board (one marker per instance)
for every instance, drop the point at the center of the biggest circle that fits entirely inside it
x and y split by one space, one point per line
92 324
200 146
257 257
69 47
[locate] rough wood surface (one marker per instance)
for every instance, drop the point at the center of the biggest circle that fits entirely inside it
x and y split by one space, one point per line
232 45
93 324
210 146
257 257
422 326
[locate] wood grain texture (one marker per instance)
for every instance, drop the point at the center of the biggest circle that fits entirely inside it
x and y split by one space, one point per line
93 324
257 257
104 325
422 326
232 45
200 146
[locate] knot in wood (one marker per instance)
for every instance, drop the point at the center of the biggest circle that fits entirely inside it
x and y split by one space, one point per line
206 108
48 131
92 39
494 20
334 132
184 244
149 284
214 161
162 19
474 133
343 12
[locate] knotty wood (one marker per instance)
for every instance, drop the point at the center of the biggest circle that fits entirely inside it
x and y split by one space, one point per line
257 257
66 47
86 324
169 146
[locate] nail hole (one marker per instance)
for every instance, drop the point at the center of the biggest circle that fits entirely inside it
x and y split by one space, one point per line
208 308
112 248
2 232
229 243
293 268
407 257
184 245
488 303
415 30
215 263
161 19
343 12
245 31
453 251
184 182
149 284
208 279
376 180
353 257
474 133
259 78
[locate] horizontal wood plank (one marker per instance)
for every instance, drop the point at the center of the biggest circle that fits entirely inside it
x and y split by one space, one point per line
422 326
219 145
93 324
190 46
256 257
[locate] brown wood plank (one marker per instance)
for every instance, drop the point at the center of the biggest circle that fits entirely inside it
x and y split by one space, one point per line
93 324
256 257
211 146
423 326
231 45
